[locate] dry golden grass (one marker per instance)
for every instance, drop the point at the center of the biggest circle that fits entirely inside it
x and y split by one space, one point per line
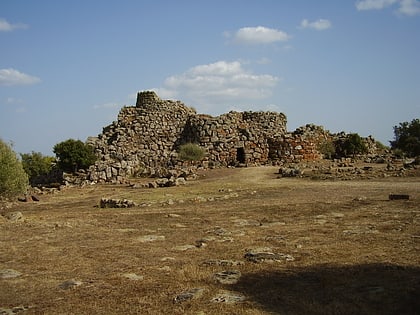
355 251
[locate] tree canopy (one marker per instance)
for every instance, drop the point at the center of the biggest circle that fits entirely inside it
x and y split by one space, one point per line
73 155
407 137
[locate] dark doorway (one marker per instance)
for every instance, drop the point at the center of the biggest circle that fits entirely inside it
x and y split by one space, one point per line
240 155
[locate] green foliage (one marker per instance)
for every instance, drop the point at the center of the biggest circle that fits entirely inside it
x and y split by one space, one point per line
351 145
327 148
191 152
13 179
407 137
73 155
36 164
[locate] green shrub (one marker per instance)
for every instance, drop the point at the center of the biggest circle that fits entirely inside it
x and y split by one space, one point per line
327 149
73 155
13 179
351 145
191 152
36 164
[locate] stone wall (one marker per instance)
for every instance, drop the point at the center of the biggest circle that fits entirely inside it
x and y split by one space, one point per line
147 137
143 136
302 144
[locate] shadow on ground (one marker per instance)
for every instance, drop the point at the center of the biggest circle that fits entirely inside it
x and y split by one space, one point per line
360 289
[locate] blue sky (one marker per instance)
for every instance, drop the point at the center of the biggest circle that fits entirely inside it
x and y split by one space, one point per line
67 67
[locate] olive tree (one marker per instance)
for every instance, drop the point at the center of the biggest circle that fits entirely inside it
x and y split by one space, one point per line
13 179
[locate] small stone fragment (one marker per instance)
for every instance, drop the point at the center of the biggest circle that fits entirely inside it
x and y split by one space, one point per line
151 238
132 276
189 295
228 297
183 248
14 216
266 255
228 276
9 274
399 197
70 284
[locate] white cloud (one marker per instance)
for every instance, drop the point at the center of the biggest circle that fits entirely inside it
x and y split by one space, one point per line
259 35
318 25
406 7
13 100
7 27
219 83
9 77
409 7
373 4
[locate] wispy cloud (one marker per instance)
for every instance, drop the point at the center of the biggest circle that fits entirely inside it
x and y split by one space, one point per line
106 106
406 7
409 7
258 35
319 25
5 26
218 83
9 77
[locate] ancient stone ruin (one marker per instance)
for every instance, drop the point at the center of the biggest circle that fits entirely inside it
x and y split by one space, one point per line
147 137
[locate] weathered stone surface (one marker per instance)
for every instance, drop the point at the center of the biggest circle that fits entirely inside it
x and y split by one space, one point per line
189 295
132 276
228 297
150 238
399 197
14 310
70 284
222 262
9 274
116 203
265 254
14 216
183 248
227 276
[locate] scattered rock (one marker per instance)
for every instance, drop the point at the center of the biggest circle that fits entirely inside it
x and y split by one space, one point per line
14 216
70 284
14 310
150 238
116 203
9 274
189 295
228 297
228 276
167 259
132 276
290 172
28 198
219 231
399 197
243 222
222 262
265 254
152 185
183 248
361 230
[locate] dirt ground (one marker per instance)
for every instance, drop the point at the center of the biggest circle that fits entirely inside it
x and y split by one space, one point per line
324 246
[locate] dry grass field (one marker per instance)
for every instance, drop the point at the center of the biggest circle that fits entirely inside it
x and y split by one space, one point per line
328 247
